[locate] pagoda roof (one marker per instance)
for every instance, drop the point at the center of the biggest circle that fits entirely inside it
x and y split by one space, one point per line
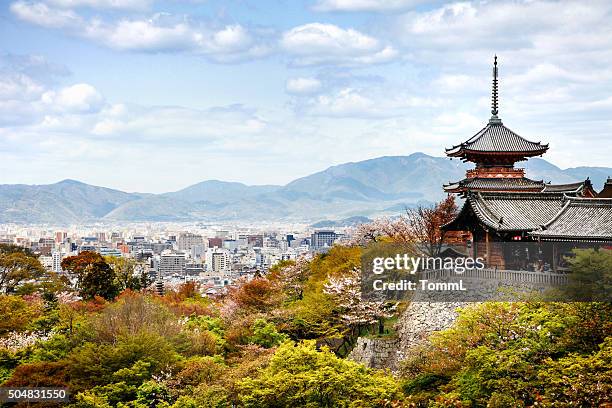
579 219
510 211
495 184
571 187
495 138
524 184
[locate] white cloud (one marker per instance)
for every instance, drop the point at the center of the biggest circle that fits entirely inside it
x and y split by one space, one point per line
302 86
364 5
360 104
462 27
19 86
318 43
103 4
42 15
82 98
161 33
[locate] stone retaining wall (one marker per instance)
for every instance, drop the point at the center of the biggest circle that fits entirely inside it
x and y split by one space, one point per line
375 352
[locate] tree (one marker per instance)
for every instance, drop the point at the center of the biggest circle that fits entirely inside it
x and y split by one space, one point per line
420 226
500 354
129 273
426 222
266 335
18 314
292 276
357 312
590 278
95 277
16 266
256 295
299 375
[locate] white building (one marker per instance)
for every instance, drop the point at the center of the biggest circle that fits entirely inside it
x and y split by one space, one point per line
218 260
188 240
171 264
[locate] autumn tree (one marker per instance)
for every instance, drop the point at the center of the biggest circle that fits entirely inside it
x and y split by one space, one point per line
426 222
256 295
95 277
16 266
419 227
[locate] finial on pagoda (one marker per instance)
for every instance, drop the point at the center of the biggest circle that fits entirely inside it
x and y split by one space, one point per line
494 95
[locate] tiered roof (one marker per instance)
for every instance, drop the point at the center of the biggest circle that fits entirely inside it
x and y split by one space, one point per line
496 184
500 198
505 211
545 216
496 139
582 219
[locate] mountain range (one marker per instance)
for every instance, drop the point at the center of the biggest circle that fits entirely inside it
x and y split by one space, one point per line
383 185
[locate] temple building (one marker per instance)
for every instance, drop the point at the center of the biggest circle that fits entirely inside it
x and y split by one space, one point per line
503 206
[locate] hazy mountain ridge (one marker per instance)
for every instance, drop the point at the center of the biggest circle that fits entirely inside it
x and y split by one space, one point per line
366 188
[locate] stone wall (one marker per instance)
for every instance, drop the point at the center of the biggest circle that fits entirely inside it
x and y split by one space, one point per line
415 325
423 317
375 352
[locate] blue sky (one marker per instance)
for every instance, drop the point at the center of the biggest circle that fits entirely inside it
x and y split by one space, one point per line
146 95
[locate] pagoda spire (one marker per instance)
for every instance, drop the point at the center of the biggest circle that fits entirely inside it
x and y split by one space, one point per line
494 95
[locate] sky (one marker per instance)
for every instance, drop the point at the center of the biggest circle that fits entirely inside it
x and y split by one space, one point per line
153 96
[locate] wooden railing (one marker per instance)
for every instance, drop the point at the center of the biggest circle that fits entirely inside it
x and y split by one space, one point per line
501 275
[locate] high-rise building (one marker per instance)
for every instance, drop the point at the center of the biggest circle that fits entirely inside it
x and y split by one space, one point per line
188 240
220 262
56 264
323 238
171 264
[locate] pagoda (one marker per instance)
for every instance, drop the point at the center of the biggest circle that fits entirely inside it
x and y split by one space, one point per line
502 205
494 150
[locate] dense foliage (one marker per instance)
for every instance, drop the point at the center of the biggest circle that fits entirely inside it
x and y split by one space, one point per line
281 341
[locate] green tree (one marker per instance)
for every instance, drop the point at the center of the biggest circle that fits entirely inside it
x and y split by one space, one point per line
16 266
299 375
266 335
590 278
95 276
129 273
18 314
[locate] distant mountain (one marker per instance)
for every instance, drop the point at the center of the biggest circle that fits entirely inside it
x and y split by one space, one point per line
346 222
68 201
385 185
215 191
417 176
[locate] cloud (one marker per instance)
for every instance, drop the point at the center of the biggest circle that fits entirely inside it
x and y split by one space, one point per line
82 98
518 26
176 124
44 16
103 4
364 5
302 86
307 44
362 104
162 32
317 43
35 66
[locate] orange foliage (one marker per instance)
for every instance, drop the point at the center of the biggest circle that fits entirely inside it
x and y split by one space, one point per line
257 295
39 374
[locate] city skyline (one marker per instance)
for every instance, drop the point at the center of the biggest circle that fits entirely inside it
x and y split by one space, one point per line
153 96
